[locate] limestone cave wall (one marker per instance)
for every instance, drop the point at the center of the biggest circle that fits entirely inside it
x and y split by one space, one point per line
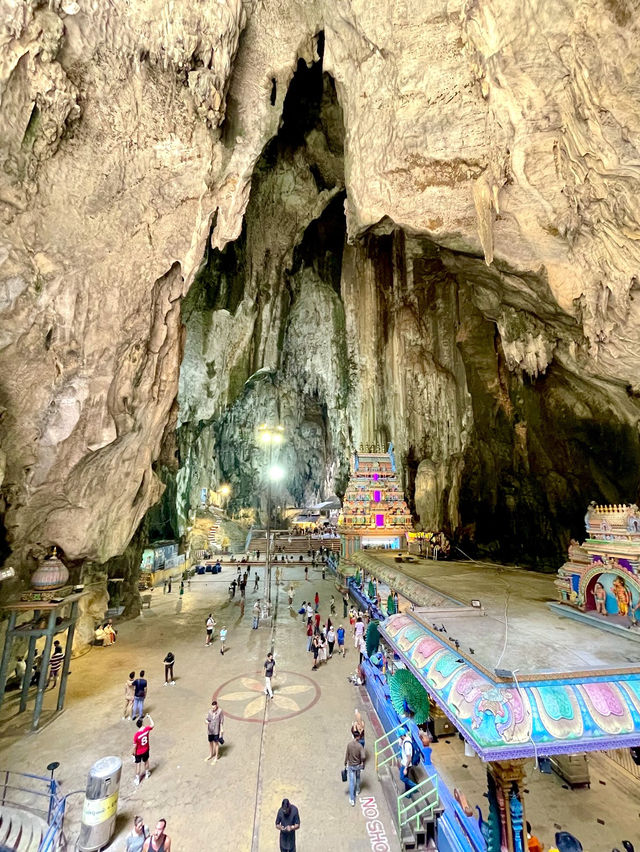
367 220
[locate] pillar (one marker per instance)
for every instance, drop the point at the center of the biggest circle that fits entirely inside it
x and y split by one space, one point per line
508 776
6 654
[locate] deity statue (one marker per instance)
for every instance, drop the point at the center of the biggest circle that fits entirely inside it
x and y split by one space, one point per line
600 596
622 595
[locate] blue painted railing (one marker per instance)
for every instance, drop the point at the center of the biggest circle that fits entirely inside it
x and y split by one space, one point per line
38 795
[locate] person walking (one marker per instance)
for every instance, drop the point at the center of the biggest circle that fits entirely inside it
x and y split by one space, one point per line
309 613
159 841
354 760
357 727
256 614
255 582
332 605
141 748
358 631
340 637
406 760
137 836
345 605
309 635
223 639
128 696
269 667
317 620
362 647
215 729
169 586
287 823
139 695
315 648
164 586
210 624
317 602
331 640
290 595
55 664
232 587
306 571
169 660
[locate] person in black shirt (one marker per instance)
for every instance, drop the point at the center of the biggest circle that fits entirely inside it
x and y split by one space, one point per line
287 823
169 660
269 666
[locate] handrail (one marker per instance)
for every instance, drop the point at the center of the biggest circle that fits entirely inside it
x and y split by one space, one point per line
55 827
427 810
390 745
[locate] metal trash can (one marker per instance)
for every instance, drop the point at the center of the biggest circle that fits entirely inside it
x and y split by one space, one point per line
100 804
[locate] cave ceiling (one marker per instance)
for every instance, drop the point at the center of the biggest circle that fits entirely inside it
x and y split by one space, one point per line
369 221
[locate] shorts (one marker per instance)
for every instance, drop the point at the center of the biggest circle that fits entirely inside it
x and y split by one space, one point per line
340 643
214 738
143 758
209 631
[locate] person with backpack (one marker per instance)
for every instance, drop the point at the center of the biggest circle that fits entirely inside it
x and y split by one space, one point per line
407 761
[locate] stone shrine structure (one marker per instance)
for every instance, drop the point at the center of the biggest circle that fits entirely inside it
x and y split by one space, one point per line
374 512
602 576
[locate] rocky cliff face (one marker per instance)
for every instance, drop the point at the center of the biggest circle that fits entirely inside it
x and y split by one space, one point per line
367 220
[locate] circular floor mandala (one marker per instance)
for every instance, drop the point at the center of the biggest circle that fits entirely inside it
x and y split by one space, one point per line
243 697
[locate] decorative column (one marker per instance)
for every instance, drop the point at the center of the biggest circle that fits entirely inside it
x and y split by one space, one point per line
508 776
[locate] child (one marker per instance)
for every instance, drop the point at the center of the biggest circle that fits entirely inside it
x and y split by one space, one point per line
223 639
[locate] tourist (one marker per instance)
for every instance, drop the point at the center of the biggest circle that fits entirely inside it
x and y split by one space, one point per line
306 571
354 763
269 666
533 844
55 664
138 835
322 648
362 648
332 605
158 842
309 635
128 696
169 587
309 613
141 748
340 637
232 587
223 639
331 640
210 624
290 595
20 671
255 582
215 722
358 631
287 823
406 761
357 727
345 605
181 587
352 618
317 602
317 620
139 695
109 633
315 648
243 584
256 614
169 660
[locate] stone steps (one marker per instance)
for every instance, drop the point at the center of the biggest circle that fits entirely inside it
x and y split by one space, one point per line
20 830
411 837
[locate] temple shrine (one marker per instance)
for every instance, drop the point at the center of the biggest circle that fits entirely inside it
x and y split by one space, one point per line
601 577
374 512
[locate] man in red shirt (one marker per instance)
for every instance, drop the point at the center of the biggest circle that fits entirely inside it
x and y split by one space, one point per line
141 748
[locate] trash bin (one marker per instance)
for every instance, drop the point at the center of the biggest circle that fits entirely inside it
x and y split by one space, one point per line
100 804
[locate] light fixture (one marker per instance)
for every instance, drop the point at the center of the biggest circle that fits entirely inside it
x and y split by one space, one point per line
225 490
276 473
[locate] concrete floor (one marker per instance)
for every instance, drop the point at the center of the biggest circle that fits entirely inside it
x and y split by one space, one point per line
293 746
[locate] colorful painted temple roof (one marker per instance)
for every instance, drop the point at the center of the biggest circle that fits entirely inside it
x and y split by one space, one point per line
373 502
503 719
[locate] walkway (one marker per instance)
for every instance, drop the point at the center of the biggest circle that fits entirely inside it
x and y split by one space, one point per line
293 747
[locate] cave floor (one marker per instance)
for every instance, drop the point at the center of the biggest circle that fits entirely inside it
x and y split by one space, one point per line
519 631
293 746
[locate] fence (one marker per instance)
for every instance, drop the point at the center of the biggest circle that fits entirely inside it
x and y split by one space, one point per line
36 795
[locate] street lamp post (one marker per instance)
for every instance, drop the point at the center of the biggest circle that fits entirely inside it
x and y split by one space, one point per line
270 436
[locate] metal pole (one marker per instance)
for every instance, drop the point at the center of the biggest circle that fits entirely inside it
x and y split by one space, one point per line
67 656
6 654
44 671
26 683
268 565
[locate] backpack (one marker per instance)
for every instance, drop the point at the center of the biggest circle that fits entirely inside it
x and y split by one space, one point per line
415 755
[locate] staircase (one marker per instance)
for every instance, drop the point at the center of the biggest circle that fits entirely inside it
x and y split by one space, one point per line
20 830
415 812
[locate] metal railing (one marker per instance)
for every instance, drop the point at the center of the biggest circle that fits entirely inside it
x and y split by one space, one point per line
37 795
389 750
409 806
622 757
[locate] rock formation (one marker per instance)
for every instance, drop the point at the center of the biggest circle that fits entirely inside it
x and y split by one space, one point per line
368 220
